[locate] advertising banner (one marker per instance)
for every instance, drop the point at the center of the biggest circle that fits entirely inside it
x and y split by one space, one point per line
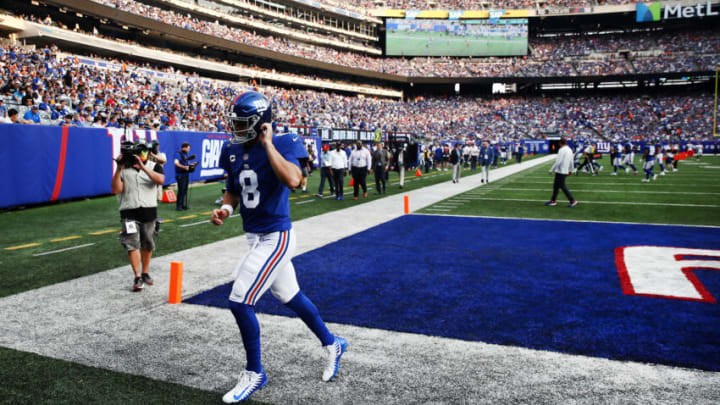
48 163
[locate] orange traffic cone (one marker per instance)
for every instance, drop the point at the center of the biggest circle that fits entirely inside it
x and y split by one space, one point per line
352 182
418 173
169 196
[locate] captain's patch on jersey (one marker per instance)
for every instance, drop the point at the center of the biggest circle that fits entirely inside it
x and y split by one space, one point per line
620 291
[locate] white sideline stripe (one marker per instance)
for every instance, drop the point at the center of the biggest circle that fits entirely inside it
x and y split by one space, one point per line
63 250
304 202
570 220
616 191
609 202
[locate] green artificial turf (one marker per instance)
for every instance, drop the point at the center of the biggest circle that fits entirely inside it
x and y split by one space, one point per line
690 196
46 226
28 378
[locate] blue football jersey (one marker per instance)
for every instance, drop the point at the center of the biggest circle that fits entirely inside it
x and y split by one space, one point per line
649 153
264 202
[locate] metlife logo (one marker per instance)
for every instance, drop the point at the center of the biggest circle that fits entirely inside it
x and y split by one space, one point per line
656 12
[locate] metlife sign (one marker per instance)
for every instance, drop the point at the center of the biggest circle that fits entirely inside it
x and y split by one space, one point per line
656 11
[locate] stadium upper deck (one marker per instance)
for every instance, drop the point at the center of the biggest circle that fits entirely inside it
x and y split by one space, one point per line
575 55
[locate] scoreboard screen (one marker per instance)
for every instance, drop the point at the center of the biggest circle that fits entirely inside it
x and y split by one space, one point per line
503 37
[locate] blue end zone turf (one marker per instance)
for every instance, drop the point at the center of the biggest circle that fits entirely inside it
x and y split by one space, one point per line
547 285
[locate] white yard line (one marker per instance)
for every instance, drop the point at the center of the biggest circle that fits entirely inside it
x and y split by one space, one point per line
63 250
195 223
657 182
609 202
616 191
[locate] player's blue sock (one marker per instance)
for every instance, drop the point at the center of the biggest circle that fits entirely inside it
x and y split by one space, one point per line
307 311
662 167
634 168
250 331
615 169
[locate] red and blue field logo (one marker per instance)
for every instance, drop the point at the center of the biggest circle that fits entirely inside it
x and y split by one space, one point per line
619 291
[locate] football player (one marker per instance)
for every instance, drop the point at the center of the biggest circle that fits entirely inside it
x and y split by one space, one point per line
629 158
616 158
587 163
660 157
649 159
261 167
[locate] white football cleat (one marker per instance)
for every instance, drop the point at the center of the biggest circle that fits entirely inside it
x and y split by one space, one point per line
248 383
645 180
662 173
333 353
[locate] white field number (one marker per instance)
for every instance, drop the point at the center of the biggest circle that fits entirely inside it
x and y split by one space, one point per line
665 271
250 194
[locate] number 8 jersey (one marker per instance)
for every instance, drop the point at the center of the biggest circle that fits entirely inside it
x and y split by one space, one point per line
264 200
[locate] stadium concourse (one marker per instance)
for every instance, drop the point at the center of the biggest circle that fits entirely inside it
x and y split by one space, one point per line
198 346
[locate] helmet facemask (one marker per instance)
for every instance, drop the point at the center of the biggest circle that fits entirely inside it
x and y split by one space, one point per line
243 128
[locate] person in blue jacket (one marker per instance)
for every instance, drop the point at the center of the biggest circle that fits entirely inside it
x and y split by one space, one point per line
438 157
486 157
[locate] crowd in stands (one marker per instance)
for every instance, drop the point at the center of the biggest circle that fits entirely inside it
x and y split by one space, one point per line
48 90
544 59
473 4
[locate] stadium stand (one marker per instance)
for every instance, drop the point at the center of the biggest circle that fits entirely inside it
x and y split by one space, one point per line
145 84
577 47
106 96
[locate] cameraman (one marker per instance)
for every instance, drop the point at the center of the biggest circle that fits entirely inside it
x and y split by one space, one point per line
182 175
136 187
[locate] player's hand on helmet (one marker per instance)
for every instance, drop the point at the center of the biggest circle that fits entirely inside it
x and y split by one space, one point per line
218 216
266 134
118 159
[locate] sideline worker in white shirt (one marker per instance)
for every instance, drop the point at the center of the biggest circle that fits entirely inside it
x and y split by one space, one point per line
562 168
360 163
338 164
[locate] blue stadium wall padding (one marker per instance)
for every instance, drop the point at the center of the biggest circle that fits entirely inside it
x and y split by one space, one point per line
41 163
549 285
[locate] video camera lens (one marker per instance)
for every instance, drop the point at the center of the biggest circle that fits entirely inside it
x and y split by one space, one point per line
129 150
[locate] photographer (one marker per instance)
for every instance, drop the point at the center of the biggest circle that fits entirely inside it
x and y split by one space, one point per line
183 168
135 182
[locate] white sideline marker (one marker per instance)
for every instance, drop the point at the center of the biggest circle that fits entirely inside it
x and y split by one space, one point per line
63 250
